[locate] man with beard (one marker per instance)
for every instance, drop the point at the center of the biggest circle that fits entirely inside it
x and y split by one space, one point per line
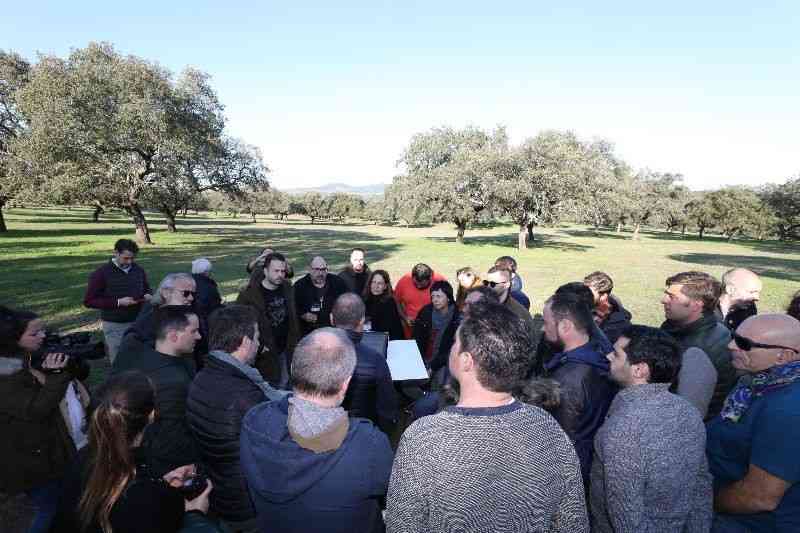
315 294
356 274
689 301
581 370
741 289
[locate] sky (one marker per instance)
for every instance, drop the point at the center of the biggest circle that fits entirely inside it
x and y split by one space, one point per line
334 91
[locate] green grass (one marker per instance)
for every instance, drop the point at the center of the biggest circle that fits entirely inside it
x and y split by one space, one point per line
48 254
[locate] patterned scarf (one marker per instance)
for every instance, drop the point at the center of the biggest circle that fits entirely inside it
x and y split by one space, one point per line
751 387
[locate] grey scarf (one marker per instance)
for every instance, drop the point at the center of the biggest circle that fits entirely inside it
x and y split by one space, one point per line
310 420
252 374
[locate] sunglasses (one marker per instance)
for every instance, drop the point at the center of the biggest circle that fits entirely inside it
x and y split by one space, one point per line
492 284
186 294
745 344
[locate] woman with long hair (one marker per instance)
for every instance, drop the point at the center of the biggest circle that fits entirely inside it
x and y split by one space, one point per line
120 496
467 279
381 312
42 410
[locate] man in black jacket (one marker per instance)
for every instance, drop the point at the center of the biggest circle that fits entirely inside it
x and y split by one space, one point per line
581 370
689 301
371 392
314 295
609 314
221 394
167 442
356 274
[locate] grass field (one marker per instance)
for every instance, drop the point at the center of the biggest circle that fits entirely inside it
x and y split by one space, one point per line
48 254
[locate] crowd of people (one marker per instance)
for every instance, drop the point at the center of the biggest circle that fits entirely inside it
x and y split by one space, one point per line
274 414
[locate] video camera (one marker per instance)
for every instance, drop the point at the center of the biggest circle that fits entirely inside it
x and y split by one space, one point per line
79 347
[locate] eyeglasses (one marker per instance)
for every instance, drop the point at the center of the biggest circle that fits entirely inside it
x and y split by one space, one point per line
493 284
186 294
320 269
743 343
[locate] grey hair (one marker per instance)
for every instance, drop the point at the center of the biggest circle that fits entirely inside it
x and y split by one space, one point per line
169 282
201 266
348 310
323 360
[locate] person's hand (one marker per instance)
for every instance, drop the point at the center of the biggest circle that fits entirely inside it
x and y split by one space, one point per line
201 502
55 361
147 297
175 478
126 302
309 317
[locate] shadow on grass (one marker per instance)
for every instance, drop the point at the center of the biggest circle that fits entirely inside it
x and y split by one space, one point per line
600 234
770 267
510 241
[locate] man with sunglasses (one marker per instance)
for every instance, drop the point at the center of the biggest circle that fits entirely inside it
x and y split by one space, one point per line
689 301
498 279
315 294
753 443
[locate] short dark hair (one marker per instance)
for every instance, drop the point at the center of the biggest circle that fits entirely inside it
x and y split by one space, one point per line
229 325
599 281
446 288
657 349
171 318
274 256
421 272
567 305
123 245
500 343
580 290
12 326
486 292
506 261
348 310
698 286
794 306
323 360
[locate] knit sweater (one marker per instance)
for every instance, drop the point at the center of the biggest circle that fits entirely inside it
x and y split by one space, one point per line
508 468
650 471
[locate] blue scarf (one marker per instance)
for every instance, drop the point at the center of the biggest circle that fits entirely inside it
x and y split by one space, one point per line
751 387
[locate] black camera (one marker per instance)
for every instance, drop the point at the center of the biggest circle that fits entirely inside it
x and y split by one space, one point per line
193 486
79 347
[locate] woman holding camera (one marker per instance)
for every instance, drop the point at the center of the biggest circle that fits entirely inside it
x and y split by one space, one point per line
119 494
41 413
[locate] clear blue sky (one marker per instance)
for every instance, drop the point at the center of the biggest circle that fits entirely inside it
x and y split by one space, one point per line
333 91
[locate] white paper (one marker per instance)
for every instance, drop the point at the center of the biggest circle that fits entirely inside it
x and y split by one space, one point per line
405 361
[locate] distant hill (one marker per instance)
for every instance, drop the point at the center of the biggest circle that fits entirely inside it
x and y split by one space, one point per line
330 188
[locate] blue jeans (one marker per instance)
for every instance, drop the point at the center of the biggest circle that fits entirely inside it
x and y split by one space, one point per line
726 524
45 500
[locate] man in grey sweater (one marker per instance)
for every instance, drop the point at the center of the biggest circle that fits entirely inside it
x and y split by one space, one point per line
650 471
489 463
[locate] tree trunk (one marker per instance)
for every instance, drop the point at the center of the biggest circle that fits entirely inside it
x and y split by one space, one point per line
3 227
139 220
700 233
636 229
98 210
522 237
461 226
253 214
531 236
619 227
683 229
172 226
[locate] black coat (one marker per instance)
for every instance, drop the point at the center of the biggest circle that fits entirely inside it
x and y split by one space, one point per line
304 298
371 391
350 278
219 398
207 299
168 442
383 316
143 332
617 321
423 327
35 446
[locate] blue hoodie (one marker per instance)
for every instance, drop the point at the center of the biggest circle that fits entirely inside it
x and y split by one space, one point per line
297 490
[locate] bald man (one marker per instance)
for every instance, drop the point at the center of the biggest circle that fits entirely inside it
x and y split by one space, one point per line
741 289
315 294
753 443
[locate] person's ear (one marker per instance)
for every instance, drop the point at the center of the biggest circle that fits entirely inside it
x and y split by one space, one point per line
467 362
333 322
641 371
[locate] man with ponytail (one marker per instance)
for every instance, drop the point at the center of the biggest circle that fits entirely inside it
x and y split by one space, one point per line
168 442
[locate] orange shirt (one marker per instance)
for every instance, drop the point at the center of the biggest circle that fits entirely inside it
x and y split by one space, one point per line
411 298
